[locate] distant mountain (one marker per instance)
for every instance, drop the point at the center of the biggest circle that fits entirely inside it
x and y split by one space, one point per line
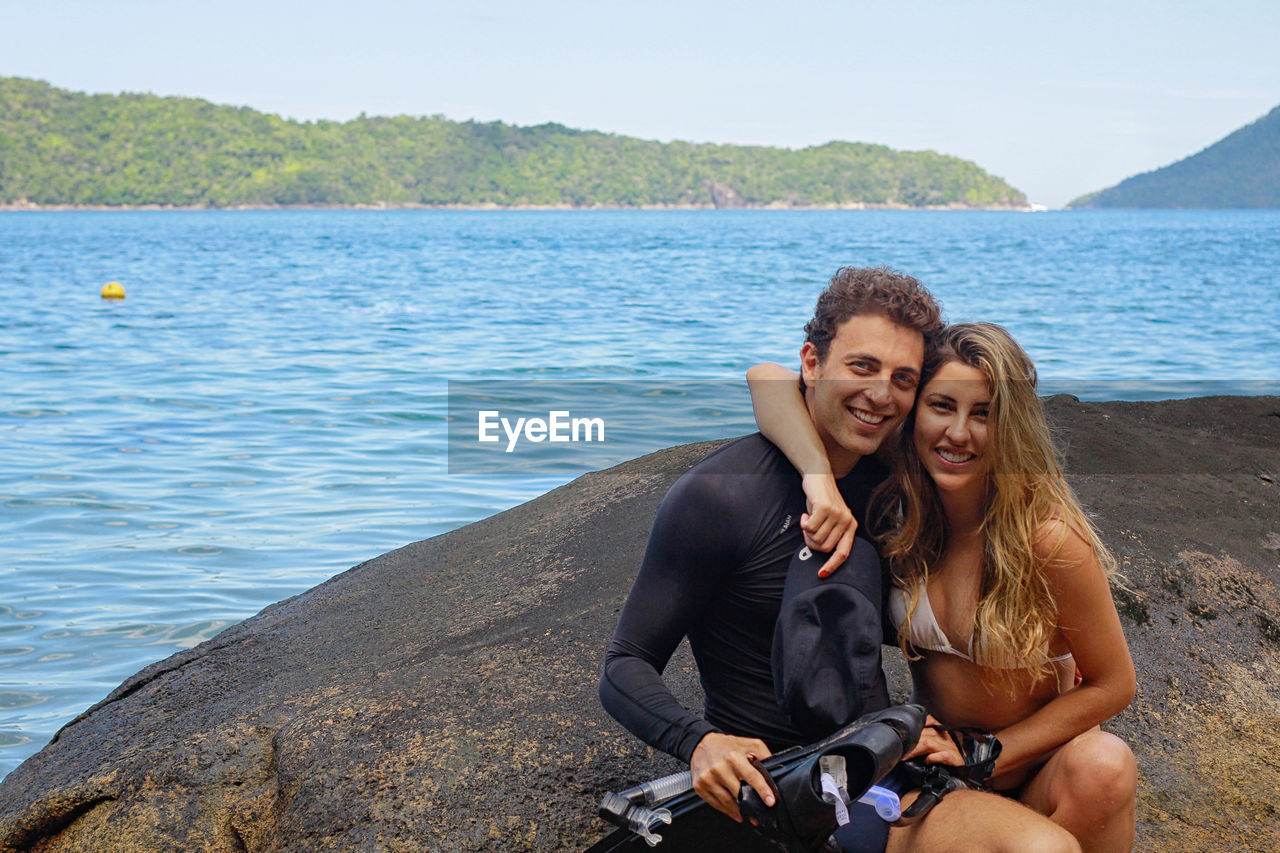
67 148
1242 170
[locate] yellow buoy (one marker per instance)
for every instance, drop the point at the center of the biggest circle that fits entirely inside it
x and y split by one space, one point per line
113 290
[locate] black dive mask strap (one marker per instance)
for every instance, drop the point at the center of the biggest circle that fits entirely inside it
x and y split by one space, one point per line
935 781
980 750
802 817
753 809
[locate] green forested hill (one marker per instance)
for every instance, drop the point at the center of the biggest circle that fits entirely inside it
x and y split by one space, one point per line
1241 170
59 147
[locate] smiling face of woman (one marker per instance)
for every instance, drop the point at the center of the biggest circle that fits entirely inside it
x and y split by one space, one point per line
951 427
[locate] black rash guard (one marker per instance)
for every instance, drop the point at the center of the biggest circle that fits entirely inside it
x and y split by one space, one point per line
714 571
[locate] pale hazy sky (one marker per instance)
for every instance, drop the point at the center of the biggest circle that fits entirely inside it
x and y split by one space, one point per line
1057 98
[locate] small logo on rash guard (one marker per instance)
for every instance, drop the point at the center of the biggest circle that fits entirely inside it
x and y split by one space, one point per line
786 525
805 553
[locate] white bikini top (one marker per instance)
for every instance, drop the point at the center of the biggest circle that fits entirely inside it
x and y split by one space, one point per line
926 633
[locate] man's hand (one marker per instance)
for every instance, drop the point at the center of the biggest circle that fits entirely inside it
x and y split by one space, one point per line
721 763
829 525
936 747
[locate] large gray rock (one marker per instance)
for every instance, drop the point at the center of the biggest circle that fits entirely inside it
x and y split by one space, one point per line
442 696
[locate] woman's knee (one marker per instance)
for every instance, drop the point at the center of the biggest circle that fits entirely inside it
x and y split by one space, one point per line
1099 767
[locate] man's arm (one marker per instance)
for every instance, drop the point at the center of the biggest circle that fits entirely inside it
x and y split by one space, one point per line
686 562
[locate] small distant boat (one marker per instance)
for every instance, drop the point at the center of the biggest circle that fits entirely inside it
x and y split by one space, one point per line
1037 208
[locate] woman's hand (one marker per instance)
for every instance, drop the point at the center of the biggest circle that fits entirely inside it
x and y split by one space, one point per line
784 419
829 525
936 746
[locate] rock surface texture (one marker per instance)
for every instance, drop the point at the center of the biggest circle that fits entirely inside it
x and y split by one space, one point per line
443 696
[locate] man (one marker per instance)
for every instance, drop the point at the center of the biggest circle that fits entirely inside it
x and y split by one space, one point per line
718 558
725 534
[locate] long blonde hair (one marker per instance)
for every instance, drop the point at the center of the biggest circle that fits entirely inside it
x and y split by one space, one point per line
1016 615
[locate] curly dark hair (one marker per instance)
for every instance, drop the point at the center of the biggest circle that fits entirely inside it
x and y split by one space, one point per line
872 290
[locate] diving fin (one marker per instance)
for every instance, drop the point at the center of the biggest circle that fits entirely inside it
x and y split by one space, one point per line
870 747
866 751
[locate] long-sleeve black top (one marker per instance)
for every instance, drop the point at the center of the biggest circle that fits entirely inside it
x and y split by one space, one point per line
714 571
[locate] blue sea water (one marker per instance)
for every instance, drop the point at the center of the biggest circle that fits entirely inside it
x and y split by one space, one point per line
271 403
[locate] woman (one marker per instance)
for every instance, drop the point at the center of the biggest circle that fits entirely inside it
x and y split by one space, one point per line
1001 597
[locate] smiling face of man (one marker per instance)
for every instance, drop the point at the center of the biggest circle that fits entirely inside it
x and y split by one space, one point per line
860 392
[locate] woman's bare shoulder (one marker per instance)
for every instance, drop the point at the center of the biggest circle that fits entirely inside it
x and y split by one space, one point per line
1063 549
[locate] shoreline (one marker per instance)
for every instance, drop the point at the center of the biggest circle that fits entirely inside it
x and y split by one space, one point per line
857 205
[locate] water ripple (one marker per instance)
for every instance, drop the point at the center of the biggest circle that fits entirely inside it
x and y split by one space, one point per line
270 404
